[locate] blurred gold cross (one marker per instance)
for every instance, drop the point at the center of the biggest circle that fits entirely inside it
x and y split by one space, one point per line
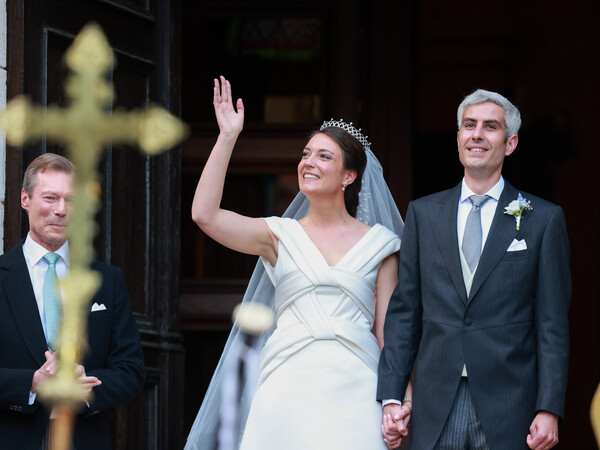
84 129
595 415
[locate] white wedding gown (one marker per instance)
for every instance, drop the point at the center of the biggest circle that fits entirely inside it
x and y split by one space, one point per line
318 376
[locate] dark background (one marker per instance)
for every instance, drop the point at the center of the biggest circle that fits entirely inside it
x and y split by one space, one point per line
396 68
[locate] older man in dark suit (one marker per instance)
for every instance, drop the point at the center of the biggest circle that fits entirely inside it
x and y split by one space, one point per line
479 318
113 367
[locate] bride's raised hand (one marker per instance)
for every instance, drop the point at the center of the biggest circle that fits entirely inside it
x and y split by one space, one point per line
230 121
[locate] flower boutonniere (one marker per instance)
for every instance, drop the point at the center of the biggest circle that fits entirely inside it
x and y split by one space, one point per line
517 208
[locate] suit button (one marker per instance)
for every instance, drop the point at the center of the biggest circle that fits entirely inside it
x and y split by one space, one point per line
468 321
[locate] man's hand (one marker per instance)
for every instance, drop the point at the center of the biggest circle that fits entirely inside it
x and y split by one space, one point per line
47 370
395 424
543 432
88 383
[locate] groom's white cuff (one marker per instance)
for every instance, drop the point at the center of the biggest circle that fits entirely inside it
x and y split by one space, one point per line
387 401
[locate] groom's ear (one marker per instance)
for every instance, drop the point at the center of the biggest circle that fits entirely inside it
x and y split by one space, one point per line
511 144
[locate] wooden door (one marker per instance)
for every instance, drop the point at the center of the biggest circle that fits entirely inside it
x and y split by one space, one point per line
140 216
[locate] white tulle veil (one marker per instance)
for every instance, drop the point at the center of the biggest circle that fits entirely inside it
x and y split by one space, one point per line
376 205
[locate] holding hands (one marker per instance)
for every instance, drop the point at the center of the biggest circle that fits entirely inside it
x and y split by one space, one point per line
396 421
230 122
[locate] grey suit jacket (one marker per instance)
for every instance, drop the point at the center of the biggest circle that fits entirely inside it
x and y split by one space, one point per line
511 331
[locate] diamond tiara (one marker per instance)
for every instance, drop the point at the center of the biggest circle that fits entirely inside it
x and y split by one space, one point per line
349 128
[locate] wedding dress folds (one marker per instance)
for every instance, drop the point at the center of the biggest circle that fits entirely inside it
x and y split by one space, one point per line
318 375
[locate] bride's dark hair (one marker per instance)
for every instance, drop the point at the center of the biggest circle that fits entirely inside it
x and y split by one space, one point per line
355 159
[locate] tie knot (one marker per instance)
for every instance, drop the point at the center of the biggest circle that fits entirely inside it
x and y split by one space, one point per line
478 200
51 258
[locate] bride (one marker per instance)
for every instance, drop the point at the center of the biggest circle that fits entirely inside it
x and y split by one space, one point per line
333 266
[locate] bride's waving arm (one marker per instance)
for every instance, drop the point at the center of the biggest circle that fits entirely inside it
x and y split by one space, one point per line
241 233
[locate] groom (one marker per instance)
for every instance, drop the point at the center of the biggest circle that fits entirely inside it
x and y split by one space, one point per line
479 318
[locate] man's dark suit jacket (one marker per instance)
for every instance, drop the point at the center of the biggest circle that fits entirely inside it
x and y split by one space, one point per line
511 331
114 356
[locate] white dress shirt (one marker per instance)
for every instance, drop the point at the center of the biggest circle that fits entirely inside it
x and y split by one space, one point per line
37 266
487 211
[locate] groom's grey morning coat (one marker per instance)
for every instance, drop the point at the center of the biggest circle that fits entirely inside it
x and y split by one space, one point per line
511 332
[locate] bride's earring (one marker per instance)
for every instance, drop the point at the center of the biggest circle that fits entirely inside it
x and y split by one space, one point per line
344 187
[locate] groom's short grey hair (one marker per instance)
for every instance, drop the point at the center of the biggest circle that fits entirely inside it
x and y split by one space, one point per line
512 116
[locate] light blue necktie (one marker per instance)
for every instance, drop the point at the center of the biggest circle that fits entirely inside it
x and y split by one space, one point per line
52 303
473 233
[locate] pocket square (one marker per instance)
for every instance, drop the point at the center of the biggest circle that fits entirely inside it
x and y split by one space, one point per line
516 246
98 307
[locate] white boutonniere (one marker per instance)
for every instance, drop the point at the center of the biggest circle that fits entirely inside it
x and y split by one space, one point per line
517 208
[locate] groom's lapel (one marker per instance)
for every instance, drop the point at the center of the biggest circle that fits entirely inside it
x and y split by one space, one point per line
502 232
443 223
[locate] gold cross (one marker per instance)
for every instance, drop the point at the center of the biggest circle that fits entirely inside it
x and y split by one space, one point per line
84 128
595 415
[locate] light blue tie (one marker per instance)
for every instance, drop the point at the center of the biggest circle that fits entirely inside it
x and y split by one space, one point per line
52 303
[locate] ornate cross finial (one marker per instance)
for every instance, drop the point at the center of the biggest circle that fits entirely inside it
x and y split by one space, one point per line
84 129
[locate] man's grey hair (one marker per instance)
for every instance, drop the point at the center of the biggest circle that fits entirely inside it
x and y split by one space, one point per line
46 161
512 116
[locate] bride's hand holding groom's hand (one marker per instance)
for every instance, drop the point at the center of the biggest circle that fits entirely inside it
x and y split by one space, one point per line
394 427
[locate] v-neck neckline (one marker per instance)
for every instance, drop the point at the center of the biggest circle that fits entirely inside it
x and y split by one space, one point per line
351 250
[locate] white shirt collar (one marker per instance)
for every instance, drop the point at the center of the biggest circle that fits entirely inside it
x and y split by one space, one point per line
494 192
34 252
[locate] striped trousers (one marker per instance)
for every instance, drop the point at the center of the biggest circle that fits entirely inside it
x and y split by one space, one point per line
462 430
